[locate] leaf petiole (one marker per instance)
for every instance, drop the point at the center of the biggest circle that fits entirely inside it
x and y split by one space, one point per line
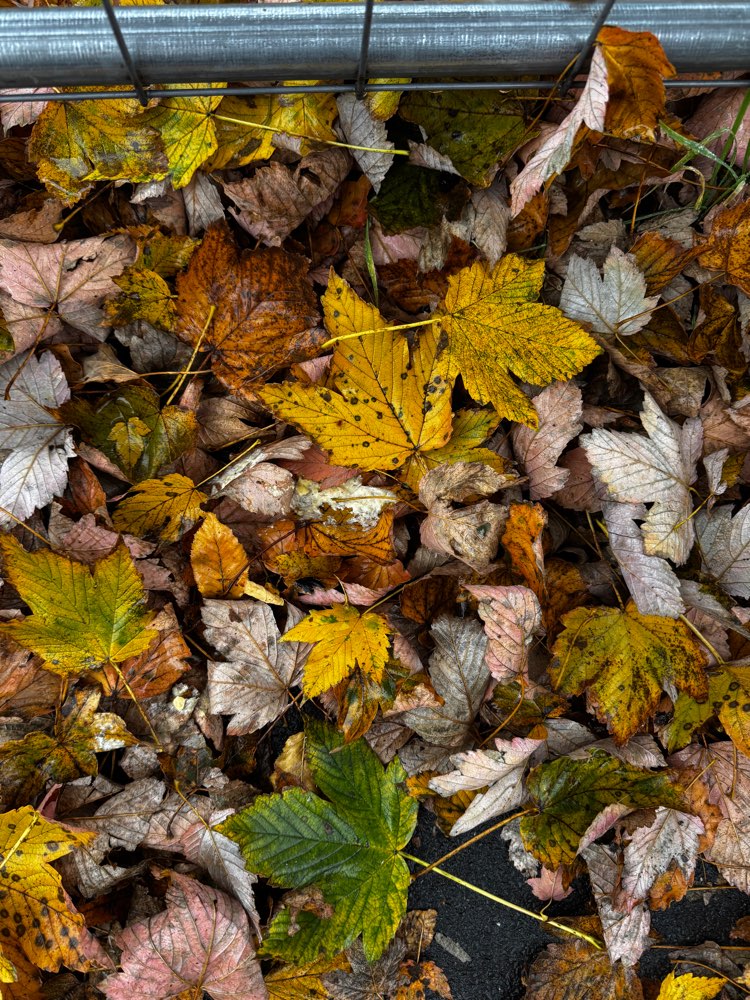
541 917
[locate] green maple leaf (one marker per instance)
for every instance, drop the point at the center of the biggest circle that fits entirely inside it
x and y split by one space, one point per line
569 794
132 430
347 845
82 618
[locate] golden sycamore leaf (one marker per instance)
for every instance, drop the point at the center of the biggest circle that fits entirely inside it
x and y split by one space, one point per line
344 640
83 617
636 67
624 660
167 507
219 562
496 328
34 907
690 987
145 295
187 131
387 405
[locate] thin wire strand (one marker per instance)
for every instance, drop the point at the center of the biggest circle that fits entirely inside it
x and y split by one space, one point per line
360 84
127 58
586 50
7 97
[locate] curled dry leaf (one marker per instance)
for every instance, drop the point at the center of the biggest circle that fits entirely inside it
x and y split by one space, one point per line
512 617
35 446
558 410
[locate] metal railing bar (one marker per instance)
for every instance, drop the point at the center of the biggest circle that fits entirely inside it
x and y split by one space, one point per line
74 46
360 83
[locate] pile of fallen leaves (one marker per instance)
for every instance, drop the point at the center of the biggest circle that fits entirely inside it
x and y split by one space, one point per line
362 458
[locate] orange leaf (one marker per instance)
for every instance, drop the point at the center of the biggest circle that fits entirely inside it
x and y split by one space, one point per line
256 311
636 68
728 247
219 562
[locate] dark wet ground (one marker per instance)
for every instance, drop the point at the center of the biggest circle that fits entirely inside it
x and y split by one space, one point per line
500 943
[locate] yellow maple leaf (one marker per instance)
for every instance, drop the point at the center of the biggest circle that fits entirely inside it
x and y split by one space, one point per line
34 909
219 562
82 617
187 132
496 328
306 117
239 139
167 507
624 660
690 987
387 405
344 640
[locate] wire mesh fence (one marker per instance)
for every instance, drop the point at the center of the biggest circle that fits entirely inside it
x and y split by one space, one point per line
114 52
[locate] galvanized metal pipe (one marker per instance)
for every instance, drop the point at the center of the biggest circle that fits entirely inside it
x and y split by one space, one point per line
174 44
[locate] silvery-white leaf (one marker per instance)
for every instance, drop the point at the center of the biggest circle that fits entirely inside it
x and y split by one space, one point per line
35 447
361 129
724 543
616 303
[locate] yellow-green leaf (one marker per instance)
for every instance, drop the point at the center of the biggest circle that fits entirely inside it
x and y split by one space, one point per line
344 641
624 660
82 618
346 844
75 143
496 329
187 132
568 794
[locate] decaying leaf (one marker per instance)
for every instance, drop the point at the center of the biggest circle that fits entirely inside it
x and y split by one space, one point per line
658 469
569 793
253 683
35 446
218 560
255 312
167 507
623 660
615 304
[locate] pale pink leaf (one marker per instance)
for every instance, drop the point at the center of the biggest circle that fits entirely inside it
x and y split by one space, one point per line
503 770
625 931
651 581
252 683
42 287
512 617
724 542
460 677
615 304
548 885
186 826
673 837
553 155
559 410
201 942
